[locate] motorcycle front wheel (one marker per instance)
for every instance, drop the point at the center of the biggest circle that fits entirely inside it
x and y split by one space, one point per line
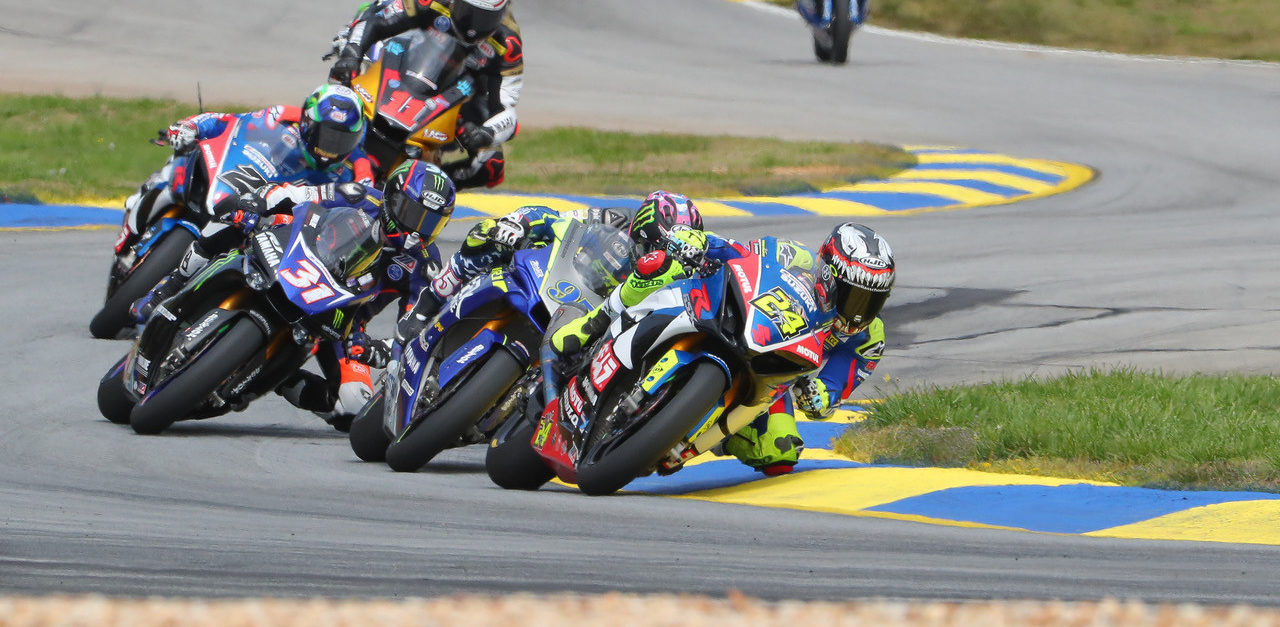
607 472
839 32
164 256
368 439
511 462
438 430
189 389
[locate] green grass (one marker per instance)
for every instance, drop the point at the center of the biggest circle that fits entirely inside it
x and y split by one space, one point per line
1231 29
1133 428
64 149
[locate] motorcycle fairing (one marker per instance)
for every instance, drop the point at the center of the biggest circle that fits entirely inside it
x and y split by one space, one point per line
155 231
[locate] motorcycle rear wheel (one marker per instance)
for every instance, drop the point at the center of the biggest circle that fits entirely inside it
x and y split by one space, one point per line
512 463
164 256
430 434
840 31
193 385
368 439
641 451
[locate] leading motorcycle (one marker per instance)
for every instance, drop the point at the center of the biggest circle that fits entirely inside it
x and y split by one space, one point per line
699 360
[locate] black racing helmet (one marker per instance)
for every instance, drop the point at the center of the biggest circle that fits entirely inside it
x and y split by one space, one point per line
418 197
862 264
476 20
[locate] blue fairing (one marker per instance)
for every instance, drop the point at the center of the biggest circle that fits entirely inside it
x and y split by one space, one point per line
304 279
160 228
524 276
468 353
822 18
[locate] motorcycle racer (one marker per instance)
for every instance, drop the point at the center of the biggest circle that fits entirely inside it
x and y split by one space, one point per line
321 134
486 27
412 208
852 281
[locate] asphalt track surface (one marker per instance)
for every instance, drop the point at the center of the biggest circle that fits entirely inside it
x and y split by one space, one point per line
1166 261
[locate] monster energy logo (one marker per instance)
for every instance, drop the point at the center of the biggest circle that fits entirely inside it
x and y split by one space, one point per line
647 214
338 315
213 269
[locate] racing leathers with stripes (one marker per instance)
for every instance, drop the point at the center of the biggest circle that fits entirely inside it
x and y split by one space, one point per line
771 443
497 65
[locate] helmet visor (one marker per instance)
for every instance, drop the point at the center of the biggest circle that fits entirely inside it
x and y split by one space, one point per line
472 24
330 141
412 215
857 307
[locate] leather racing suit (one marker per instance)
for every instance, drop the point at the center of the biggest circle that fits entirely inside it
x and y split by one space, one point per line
496 63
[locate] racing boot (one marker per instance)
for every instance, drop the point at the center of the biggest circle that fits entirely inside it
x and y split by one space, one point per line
307 390
419 313
354 390
771 444
194 261
575 334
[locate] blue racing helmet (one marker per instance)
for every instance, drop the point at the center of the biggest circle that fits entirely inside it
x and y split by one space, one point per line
418 197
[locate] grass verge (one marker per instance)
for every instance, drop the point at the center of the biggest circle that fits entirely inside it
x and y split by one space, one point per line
1230 29
1129 427
64 149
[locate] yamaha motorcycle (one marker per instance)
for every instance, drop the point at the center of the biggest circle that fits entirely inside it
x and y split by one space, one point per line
677 374
247 321
246 156
833 23
469 369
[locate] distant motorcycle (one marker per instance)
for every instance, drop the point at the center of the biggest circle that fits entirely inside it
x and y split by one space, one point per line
469 369
833 23
247 321
703 359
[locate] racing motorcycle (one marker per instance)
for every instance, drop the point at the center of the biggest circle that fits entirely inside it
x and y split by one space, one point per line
247 321
243 158
832 23
469 369
413 88
701 358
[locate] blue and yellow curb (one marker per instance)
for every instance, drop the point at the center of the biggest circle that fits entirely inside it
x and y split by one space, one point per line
824 481
943 179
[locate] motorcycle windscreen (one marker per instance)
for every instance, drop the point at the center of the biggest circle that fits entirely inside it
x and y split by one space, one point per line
348 244
589 260
416 67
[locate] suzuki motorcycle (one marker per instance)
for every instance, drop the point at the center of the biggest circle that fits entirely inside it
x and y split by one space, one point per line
247 321
245 157
832 23
469 369
698 361
413 88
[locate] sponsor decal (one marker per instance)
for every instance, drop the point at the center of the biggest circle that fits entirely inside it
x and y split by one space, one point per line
786 254
210 161
395 272
195 331
544 430
603 366
515 51
243 179
442 23
338 115
744 281
471 354
411 361
261 161
271 250
804 291
439 136
808 353
700 301
485 49
364 93
537 267
235 391
394 47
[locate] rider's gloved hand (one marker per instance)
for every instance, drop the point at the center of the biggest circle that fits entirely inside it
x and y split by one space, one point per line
575 334
475 137
813 398
242 212
688 246
183 136
366 350
347 66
